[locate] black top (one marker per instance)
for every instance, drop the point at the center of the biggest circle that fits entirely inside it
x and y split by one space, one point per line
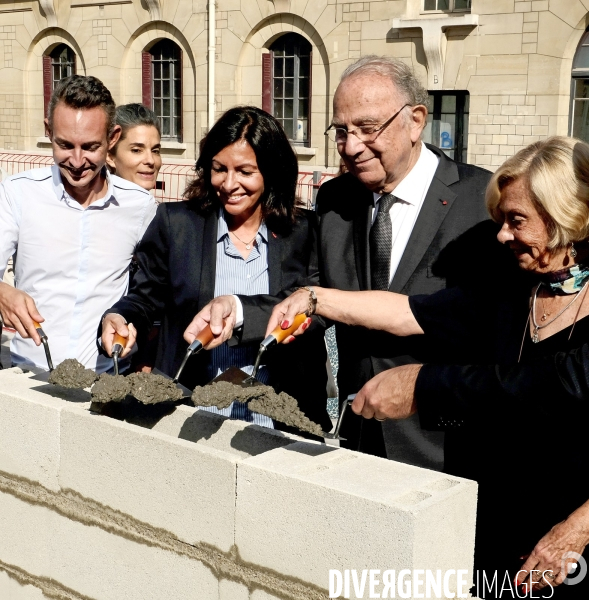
176 279
527 451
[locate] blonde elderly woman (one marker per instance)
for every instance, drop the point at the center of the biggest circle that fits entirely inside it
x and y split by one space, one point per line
519 424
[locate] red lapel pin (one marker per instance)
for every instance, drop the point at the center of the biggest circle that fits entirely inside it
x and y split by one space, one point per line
274 235
444 202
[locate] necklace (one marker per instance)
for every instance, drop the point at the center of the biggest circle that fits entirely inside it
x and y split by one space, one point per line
535 337
545 313
248 245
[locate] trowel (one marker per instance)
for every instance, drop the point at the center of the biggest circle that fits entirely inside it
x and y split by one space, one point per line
335 435
118 346
45 343
236 376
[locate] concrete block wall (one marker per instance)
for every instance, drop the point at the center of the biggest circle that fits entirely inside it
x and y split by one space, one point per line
190 505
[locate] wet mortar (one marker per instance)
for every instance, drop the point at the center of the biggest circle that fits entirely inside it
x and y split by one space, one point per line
110 388
262 399
153 389
72 374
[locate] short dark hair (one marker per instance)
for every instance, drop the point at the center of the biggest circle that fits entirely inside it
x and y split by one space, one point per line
134 115
275 157
85 92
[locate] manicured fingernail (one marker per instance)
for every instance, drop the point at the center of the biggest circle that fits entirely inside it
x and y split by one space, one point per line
308 321
285 324
291 338
304 326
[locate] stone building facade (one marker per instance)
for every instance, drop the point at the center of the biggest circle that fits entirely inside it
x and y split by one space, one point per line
500 71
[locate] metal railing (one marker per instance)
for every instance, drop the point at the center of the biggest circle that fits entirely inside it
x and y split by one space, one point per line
172 180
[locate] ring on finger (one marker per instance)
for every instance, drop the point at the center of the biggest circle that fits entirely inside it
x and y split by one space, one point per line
548 574
379 420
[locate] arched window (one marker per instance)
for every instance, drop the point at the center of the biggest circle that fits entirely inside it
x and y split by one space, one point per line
579 126
289 81
162 86
58 64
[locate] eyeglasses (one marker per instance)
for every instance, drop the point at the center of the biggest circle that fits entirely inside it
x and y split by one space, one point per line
366 134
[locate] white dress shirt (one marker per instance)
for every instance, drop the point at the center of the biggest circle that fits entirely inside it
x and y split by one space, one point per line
73 261
409 194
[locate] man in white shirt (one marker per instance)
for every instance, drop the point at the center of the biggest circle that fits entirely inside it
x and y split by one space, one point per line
74 229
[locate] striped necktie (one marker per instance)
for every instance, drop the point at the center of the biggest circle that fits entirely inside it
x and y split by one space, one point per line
381 243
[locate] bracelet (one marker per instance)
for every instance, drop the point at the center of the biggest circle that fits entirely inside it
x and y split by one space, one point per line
312 300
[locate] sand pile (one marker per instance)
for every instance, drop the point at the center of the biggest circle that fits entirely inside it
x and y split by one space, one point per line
111 388
72 374
152 389
262 399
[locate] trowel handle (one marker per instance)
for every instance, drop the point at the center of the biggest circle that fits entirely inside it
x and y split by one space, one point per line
120 340
281 334
205 336
40 331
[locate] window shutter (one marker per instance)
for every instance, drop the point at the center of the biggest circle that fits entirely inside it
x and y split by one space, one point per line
46 83
267 82
146 79
309 108
181 115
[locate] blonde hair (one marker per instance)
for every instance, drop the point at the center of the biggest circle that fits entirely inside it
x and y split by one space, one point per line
557 174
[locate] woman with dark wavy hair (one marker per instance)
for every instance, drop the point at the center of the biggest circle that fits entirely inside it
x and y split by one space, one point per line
239 236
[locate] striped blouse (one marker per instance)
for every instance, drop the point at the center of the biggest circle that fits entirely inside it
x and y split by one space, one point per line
236 275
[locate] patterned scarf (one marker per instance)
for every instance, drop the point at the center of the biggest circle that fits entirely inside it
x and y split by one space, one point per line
567 281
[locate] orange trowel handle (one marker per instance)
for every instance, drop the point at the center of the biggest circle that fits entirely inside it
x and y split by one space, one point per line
119 339
205 336
281 334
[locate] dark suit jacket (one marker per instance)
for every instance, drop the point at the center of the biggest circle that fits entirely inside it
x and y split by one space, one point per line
176 279
453 240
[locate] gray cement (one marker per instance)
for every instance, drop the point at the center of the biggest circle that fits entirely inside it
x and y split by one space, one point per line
262 399
72 374
111 388
222 393
153 389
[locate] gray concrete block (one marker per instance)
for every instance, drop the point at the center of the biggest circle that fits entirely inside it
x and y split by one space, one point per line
11 589
231 590
184 488
29 418
94 562
215 431
303 510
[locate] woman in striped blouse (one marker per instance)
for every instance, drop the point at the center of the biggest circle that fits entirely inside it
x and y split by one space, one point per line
240 234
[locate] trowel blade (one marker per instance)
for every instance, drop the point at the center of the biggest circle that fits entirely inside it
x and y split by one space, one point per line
185 391
44 376
236 377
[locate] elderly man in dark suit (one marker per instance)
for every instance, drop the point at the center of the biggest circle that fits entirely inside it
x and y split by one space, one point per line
404 218
398 220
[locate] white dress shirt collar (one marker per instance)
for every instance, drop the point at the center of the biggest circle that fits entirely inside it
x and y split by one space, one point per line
62 194
413 187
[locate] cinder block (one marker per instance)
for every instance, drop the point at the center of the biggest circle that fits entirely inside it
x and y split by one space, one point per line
138 472
231 590
215 431
29 418
94 562
11 589
301 510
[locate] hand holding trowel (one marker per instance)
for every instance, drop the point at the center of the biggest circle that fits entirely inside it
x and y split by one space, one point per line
238 377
